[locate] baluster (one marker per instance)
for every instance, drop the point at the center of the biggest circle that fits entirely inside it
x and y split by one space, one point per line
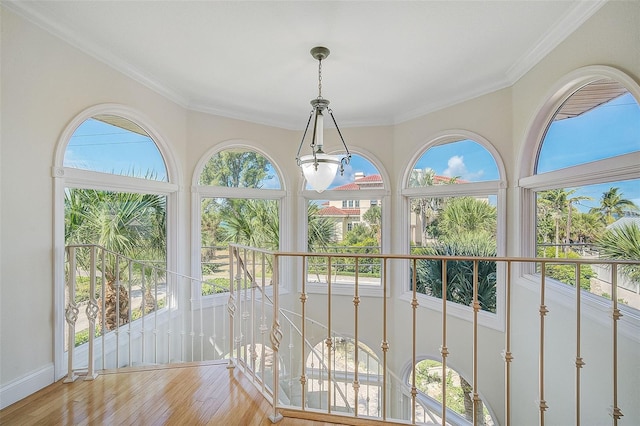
104 307
543 312
356 304
200 318
443 349
252 344
385 343
263 322
231 305
129 330
92 313
414 313
238 337
155 315
303 306
328 340
477 407
71 314
616 315
102 292
508 358
276 338
143 308
579 362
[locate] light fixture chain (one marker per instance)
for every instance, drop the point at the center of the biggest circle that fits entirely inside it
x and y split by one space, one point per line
320 78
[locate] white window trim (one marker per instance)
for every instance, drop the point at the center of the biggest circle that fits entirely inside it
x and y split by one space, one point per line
619 168
304 196
200 192
484 188
65 177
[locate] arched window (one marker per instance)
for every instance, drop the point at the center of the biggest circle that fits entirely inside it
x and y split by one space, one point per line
342 366
112 144
349 217
240 195
459 391
586 181
113 189
453 192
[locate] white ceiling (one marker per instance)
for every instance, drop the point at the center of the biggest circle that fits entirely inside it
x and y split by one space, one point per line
390 61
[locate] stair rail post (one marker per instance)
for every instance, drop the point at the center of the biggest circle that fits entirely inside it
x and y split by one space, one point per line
276 338
92 313
71 314
231 306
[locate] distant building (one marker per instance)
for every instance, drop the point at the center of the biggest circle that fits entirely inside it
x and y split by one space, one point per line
347 213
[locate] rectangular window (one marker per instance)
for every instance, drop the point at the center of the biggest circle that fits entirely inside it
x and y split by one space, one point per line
456 226
251 222
331 231
585 222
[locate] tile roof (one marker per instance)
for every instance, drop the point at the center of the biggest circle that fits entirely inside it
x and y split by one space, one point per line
335 211
370 178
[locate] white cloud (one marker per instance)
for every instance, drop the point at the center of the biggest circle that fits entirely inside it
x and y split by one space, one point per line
455 167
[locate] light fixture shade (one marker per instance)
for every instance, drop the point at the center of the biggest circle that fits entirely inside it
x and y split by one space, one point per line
319 170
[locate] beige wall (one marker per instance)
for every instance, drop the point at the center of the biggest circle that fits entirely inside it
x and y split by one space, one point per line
46 83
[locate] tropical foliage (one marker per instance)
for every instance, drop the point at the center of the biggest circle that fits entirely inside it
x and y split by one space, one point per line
463 226
622 243
559 225
458 390
613 206
130 224
459 274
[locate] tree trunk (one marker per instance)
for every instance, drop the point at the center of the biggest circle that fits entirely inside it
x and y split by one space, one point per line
116 306
467 390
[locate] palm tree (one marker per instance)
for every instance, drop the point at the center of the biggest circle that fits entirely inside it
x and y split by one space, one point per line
427 209
556 203
587 227
467 214
460 273
132 225
459 277
622 243
613 206
320 230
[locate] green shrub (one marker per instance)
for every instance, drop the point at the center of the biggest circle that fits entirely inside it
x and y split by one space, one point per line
567 273
215 286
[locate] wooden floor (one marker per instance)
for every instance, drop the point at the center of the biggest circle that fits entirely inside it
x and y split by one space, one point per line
191 394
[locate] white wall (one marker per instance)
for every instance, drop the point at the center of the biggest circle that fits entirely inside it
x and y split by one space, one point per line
611 37
46 82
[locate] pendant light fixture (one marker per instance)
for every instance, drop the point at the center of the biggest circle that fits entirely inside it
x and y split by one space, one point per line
318 168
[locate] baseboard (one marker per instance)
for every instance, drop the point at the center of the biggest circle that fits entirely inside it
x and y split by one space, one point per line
24 386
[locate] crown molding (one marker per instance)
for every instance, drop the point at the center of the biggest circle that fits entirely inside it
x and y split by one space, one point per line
565 26
33 13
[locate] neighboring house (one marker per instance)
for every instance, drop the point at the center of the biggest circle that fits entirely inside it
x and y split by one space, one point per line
347 213
625 221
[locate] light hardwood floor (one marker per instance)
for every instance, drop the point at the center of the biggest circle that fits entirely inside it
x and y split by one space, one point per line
191 394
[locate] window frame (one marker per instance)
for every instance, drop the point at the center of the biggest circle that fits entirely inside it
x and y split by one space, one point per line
307 195
69 177
622 167
497 188
200 192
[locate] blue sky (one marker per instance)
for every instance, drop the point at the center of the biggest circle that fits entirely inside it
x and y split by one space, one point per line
610 130
101 147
